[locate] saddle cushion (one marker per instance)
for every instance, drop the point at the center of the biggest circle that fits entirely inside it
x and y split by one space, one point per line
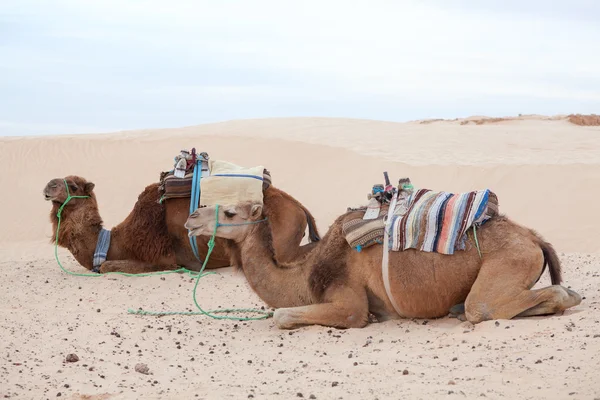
230 184
361 233
173 187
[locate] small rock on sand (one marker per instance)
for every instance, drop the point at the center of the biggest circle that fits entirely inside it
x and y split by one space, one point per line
142 369
72 358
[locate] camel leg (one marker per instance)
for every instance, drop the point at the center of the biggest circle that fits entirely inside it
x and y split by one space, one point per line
502 290
567 298
133 267
351 311
548 300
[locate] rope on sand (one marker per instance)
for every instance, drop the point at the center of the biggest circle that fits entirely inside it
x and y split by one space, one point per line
195 275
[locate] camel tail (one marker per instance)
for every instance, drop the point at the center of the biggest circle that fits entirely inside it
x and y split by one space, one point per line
550 258
313 232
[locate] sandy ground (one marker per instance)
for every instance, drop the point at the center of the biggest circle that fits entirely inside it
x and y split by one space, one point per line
545 172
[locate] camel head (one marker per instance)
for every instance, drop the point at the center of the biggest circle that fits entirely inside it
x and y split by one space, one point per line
235 221
56 191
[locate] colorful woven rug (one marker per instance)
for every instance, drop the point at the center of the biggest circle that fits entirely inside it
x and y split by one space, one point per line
438 221
434 222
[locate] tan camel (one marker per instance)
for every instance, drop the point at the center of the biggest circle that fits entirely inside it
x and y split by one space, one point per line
153 238
340 287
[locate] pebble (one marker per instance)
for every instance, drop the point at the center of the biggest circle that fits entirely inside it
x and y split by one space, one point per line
72 358
142 369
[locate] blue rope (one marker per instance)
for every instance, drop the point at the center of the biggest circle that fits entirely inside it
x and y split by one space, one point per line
194 200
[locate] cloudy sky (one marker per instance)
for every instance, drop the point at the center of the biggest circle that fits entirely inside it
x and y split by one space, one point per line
73 66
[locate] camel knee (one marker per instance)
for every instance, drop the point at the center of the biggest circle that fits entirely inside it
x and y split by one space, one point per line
478 312
355 319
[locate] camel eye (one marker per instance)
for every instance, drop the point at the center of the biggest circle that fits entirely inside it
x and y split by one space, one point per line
229 214
74 188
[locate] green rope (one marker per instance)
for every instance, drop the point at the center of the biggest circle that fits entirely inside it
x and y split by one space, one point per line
193 274
210 313
95 275
476 241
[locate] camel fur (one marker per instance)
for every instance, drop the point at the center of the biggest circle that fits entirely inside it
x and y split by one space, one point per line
153 238
336 286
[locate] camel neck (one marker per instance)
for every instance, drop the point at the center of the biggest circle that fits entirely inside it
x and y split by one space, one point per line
278 285
79 230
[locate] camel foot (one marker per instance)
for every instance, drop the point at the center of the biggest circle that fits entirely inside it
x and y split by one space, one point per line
285 319
574 298
457 310
461 317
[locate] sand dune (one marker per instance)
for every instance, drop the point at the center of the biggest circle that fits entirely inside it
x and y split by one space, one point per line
545 171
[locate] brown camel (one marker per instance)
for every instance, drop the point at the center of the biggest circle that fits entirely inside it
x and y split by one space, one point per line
340 287
153 238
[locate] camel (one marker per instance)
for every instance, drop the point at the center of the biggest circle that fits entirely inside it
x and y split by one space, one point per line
337 286
153 238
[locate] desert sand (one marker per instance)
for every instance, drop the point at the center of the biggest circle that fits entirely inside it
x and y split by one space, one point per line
545 171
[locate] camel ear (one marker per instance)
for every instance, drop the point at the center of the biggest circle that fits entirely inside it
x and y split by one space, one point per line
256 211
89 187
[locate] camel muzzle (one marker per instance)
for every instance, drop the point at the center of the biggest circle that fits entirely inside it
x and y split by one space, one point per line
47 196
191 225
50 187
195 231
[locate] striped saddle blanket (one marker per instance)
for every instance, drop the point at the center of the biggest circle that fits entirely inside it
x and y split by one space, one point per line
438 221
434 222
361 233
227 183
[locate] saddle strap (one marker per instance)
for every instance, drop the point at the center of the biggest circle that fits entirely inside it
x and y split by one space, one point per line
101 252
386 253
